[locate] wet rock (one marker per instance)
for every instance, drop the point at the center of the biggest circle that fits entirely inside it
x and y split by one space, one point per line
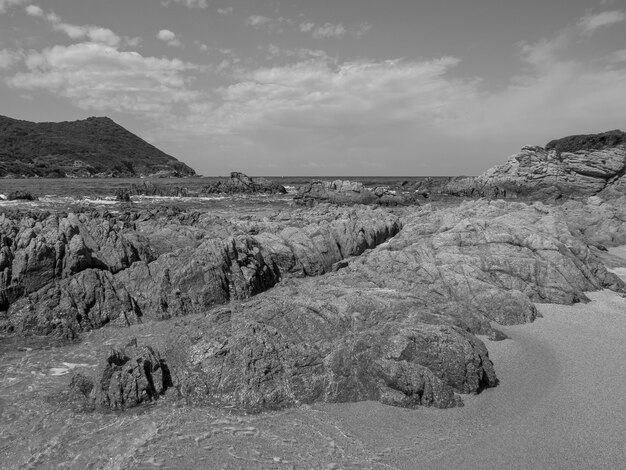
21 195
126 378
343 192
243 184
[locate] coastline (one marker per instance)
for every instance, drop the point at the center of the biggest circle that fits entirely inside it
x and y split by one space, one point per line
557 405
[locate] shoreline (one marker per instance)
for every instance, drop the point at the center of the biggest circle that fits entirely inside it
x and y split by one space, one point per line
558 403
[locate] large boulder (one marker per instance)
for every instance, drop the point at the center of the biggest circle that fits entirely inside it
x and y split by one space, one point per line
125 378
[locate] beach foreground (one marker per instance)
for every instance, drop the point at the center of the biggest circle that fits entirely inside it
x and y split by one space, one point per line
558 405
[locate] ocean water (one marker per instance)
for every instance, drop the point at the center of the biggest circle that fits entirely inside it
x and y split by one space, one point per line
99 193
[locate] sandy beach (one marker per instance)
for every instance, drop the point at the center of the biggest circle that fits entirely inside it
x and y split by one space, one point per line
559 403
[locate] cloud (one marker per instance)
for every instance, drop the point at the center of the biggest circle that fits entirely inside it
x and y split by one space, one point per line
557 94
5 4
8 58
617 56
169 37
34 10
89 32
258 20
99 77
591 22
307 27
188 3
331 30
410 115
225 11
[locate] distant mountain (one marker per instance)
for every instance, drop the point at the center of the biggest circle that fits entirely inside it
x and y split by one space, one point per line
96 146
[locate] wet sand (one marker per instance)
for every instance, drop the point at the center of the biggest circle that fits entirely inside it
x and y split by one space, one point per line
560 402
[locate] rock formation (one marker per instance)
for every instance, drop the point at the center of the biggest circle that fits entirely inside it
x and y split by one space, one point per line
242 184
127 377
342 192
580 166
322 304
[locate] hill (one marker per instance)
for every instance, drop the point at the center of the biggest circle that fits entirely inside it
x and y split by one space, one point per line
96 146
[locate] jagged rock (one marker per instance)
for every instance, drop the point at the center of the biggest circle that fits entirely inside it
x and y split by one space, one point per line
21 195
343 192
34 253
126 378
394 324
85 301
577 166
240 183
218 270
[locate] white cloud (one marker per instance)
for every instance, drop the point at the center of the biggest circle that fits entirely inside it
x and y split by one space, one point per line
100 77
591 22
329 30
188 3
89 32
5 4
34 10
257 20
307 27
169 37
8 58
225 11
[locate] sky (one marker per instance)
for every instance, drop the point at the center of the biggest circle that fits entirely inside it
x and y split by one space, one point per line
322 87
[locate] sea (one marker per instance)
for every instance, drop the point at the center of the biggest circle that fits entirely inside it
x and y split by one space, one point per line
99 193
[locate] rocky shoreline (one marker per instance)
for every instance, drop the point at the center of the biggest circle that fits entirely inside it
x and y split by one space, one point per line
348 294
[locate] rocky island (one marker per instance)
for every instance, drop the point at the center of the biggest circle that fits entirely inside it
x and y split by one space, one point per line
93 147
348 295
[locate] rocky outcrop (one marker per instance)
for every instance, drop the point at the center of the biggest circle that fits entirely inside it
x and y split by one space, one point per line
342 192
56 272
216 271
64 275
242 184
21 195
577 166
325 304
126 378
238 183
88 300
394 324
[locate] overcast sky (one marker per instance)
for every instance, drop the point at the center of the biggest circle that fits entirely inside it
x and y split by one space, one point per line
322 87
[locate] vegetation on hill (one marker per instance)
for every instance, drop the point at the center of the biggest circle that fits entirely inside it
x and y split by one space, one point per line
96 146
574 143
